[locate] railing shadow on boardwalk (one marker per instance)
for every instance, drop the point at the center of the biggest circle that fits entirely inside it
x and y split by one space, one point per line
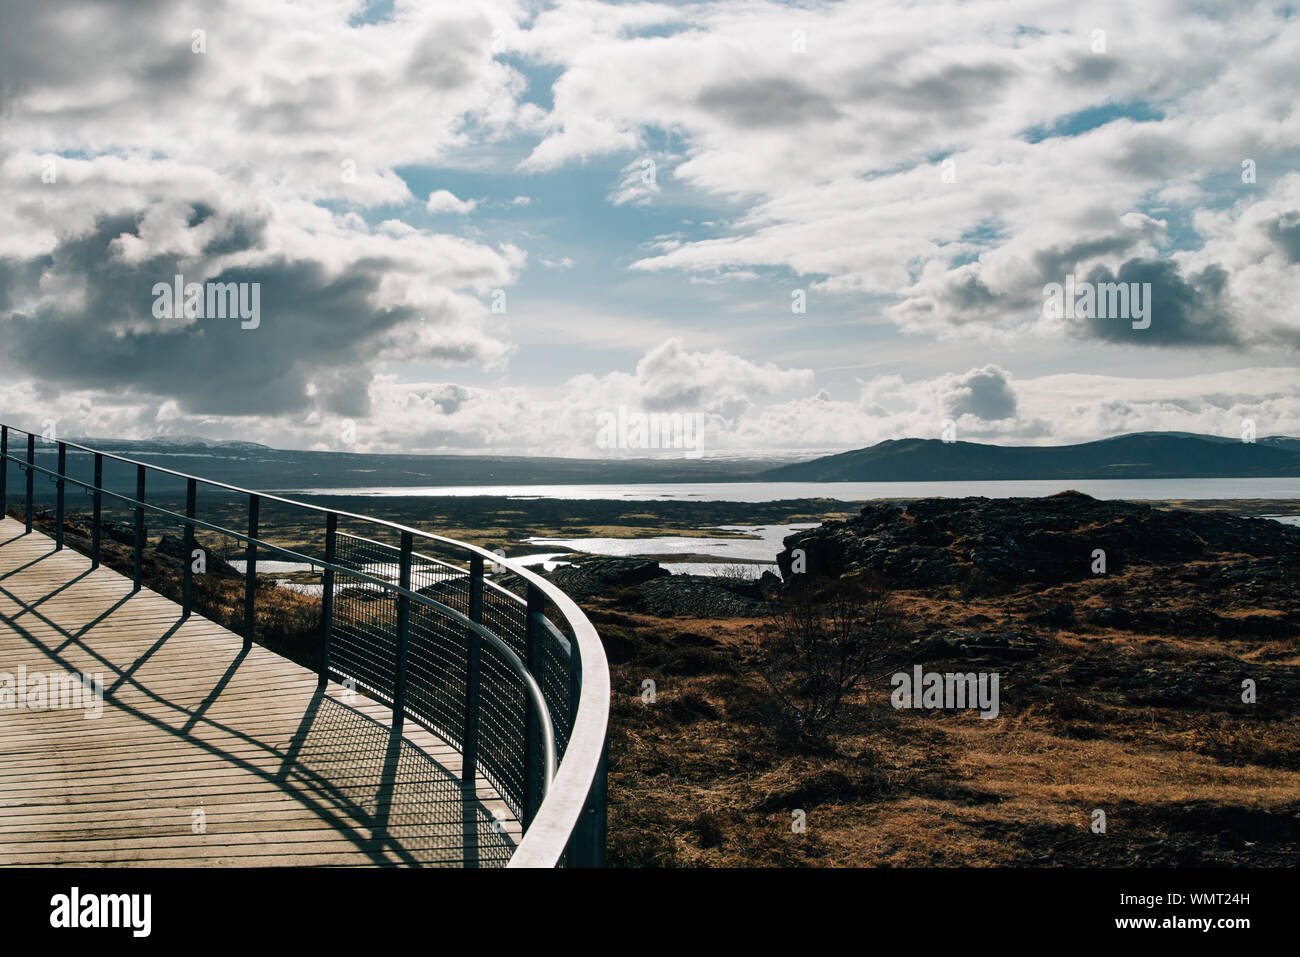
411 802
490 660
391 800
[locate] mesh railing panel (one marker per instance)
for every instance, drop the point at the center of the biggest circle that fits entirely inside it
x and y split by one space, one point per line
363 642
554 677
364 647
552 670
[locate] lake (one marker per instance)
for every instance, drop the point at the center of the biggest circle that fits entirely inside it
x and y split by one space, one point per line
1131 489
762 542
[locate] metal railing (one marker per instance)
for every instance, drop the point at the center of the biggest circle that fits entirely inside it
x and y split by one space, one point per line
507 670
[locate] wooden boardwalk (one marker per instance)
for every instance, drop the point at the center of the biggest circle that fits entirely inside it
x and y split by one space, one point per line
204 754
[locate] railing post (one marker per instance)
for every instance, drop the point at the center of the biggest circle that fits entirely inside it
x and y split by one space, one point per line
59 496
31 477
96 518
327 595
473 675
138 563
187 573
534 608
403 630
4 471
250 568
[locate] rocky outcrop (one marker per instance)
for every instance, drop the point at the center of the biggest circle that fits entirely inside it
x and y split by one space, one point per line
653 589
590 576
700 596
1023 540
174 548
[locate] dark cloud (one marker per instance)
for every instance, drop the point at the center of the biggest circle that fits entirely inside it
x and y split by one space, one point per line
964 297
451 398
51 46
767 102
318 331
1285 231
173 67
19 281
957 88
1055 262
936 103
314 105
1149 154
1091 69
236 232
1184 311
984 393
446 58
343 392
969 293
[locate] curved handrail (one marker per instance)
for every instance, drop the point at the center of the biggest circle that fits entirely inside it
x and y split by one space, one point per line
566 786
505 593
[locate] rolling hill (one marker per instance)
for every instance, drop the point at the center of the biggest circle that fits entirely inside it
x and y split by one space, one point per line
1139 455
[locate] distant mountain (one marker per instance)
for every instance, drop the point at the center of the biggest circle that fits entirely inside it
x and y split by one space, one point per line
1139 455
248 464
255 466
1282 442
1279 441
171 443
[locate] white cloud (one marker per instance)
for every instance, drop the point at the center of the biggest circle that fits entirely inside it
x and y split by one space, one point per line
444 201
639 184
742 403
272 154
835 151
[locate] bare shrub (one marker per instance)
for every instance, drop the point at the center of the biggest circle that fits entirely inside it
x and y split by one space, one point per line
738 571
821 643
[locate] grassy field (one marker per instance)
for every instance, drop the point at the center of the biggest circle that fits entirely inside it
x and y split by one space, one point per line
1148 728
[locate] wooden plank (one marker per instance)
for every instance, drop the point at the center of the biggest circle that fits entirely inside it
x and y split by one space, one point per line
285 775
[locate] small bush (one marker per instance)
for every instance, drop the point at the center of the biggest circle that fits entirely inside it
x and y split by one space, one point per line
820 644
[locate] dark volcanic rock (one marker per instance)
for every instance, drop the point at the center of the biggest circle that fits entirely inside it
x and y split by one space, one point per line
1022 540
1112 617
591 576
216 565
960 642
697 596
921 566
621 572
1058 616
119 532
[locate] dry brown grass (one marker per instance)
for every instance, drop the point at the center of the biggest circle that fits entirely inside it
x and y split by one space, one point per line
1149 728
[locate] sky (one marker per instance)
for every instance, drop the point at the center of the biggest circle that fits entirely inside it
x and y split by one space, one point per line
480 227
